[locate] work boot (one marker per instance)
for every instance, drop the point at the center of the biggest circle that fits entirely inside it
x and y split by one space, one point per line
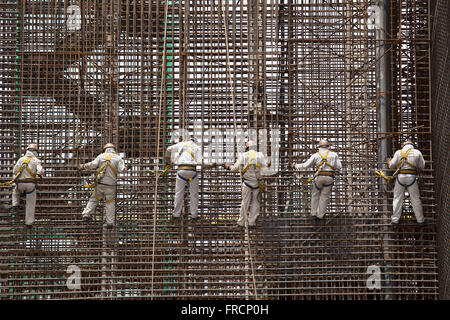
318 220
109 226
192 218
86 218
176 218
29 226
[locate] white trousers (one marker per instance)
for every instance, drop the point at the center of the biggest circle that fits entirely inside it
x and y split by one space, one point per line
29 189
102 192
320 195
407 181
251 204
183 178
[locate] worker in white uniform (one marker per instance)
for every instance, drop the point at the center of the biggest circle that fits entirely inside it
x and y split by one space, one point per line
409 161
186 156
326 164
252 165
25 171
108 165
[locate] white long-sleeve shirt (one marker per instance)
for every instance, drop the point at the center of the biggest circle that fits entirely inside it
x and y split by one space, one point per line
34 165
253 172
414 157
315 159
191 154
116 161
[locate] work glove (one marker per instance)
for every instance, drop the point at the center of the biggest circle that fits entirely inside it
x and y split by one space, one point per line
227 166
388 160
128 166
80 167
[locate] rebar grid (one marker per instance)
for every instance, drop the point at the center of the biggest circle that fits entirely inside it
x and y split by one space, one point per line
130 71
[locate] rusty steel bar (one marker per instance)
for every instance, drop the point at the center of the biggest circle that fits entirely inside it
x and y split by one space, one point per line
77 74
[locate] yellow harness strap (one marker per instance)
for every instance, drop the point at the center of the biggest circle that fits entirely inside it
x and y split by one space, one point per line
186 148
306 180
27 161
107 163
324 161
404 159
381 174
252 156
24 165
318 167
254 163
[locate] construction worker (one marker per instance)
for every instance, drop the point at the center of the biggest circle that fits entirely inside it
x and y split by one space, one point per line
326 164
108 166
25 172
252 165
409 161
186 156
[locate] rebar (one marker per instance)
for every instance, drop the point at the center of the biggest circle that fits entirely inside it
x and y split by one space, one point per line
75 75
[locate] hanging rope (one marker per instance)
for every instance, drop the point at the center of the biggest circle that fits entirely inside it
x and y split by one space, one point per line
225 23
158 135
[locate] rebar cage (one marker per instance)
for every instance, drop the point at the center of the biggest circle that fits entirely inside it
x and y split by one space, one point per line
78 74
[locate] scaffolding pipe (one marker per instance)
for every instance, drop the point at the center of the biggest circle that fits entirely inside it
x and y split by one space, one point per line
383 121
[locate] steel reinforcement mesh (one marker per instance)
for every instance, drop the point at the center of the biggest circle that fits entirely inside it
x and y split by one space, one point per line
77 74
441 138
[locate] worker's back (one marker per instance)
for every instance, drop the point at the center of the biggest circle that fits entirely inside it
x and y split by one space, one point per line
109 173
185 152
413 157
34 166
252 164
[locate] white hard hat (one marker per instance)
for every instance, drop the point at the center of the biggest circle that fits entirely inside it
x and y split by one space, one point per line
251 143
32 147
407 142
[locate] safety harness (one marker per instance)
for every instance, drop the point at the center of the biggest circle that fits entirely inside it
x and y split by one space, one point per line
320 172
24 166
181 167
403 160
186 167
98 175
254 163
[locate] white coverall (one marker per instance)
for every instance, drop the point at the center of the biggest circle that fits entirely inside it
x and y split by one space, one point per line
250 189
27 188
182 154
408 181
106 186
321 190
